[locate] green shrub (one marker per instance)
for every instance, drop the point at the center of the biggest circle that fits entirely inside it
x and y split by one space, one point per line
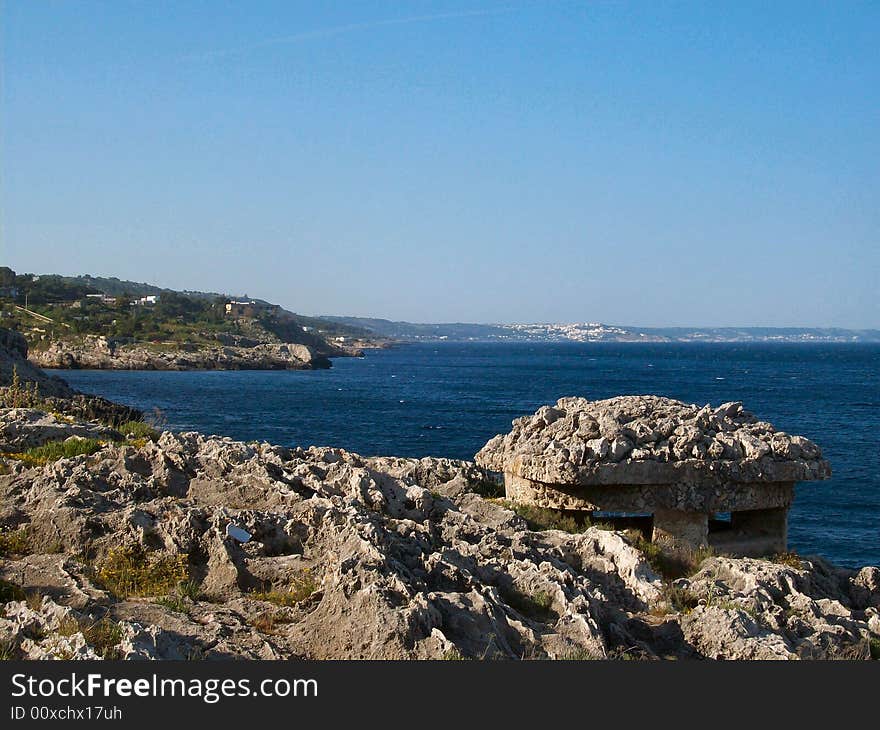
34 600
104 637
8 650
728 605
187 590
791 559
453 655
138 430
540 518
190 589
579 655
20 395
264 622
68 626
672 562
268 621
174 603
55 450
680 599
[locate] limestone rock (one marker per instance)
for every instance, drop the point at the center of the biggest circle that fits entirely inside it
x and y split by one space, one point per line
25 428
99 354
649 440
46 631
381 558
764 610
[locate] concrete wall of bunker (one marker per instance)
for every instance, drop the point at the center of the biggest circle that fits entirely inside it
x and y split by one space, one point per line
753 533
758 523
749 533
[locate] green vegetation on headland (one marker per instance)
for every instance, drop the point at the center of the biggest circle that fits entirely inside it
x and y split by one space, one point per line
51 308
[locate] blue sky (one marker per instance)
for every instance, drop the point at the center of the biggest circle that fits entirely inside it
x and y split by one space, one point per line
646 163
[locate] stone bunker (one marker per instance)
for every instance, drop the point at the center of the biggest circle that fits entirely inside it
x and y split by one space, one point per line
685 475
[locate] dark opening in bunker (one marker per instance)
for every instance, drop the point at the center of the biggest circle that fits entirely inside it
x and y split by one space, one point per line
641 521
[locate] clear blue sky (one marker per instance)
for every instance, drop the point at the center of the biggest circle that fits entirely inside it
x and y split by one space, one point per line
647 163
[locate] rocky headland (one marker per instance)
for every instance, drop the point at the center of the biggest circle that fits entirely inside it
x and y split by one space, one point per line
181 545
103 323
100 353
14 363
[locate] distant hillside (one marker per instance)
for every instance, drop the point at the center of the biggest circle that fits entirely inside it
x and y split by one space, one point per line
120 287
597 332
49 308
112 286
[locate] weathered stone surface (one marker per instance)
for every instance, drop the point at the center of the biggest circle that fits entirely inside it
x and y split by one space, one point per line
400 571
647 498
648 440
406 561
46 631
755 609
674 526
25 428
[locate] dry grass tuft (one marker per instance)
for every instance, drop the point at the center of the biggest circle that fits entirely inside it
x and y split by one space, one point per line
302 586
129 571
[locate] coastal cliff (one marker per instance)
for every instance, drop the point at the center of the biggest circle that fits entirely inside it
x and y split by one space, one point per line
108 324
98 353
182 546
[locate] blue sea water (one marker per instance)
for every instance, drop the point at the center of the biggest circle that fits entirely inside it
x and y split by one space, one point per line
449 399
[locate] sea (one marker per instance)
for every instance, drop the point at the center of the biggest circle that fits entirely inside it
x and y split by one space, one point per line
448 399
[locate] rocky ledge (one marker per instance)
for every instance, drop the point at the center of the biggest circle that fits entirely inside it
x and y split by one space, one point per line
190 546
20 380
14 363
101 354
647 439
29 428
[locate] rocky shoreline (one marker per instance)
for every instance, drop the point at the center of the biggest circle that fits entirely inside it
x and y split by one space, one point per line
101 354
182 545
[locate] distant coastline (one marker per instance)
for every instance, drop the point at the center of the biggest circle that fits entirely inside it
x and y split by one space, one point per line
598 332
100 323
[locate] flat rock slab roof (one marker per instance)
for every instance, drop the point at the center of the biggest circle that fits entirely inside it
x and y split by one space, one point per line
650 440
